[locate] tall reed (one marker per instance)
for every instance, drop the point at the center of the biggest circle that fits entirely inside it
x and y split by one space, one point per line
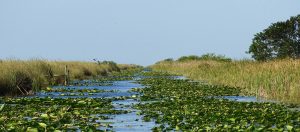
278 80
24 77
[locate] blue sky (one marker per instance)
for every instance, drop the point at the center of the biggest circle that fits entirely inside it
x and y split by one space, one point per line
134 31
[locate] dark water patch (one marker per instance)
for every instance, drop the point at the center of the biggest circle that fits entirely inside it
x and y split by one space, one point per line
116 85
132 121
243 98
86 95
90 83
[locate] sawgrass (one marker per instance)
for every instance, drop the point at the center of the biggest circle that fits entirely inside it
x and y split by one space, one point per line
278 80
24 77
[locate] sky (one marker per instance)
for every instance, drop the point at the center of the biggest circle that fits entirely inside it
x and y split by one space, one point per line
134 31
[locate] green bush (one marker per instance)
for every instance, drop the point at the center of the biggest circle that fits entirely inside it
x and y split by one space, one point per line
208 56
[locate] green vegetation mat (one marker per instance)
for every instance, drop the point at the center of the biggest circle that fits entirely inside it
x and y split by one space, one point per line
72 90
47 114
191 106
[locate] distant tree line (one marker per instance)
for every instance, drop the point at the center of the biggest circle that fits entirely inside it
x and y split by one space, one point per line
208 56
280 40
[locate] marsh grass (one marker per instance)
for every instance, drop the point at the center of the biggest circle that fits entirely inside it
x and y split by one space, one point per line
279 80
24 77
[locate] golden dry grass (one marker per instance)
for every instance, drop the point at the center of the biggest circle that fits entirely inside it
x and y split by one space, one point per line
35 74
279 80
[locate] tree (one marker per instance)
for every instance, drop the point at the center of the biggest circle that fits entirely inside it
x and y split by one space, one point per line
188 58
208 56
165 60
280 40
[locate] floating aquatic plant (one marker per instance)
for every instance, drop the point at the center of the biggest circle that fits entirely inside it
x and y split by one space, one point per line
190 106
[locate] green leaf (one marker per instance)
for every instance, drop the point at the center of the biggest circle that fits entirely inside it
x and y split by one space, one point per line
232 119
1 107
45 116
81 102
289 127
2 118
43 125
30 129
49 89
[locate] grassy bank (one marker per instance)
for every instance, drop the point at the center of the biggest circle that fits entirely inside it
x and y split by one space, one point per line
279 80
19 77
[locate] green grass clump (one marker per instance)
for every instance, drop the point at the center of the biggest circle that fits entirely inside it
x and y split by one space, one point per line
277 80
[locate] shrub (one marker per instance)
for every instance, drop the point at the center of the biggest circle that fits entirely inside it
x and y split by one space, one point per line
208 56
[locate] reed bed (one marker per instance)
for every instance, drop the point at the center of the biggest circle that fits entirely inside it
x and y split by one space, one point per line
19 77
277 80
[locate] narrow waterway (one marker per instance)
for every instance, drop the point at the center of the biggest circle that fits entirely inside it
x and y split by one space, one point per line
124 99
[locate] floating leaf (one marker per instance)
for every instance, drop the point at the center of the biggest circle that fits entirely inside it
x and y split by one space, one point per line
45 116
30 129
2 118
81 102
232 119
289 127
43 125
2 107
49 89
